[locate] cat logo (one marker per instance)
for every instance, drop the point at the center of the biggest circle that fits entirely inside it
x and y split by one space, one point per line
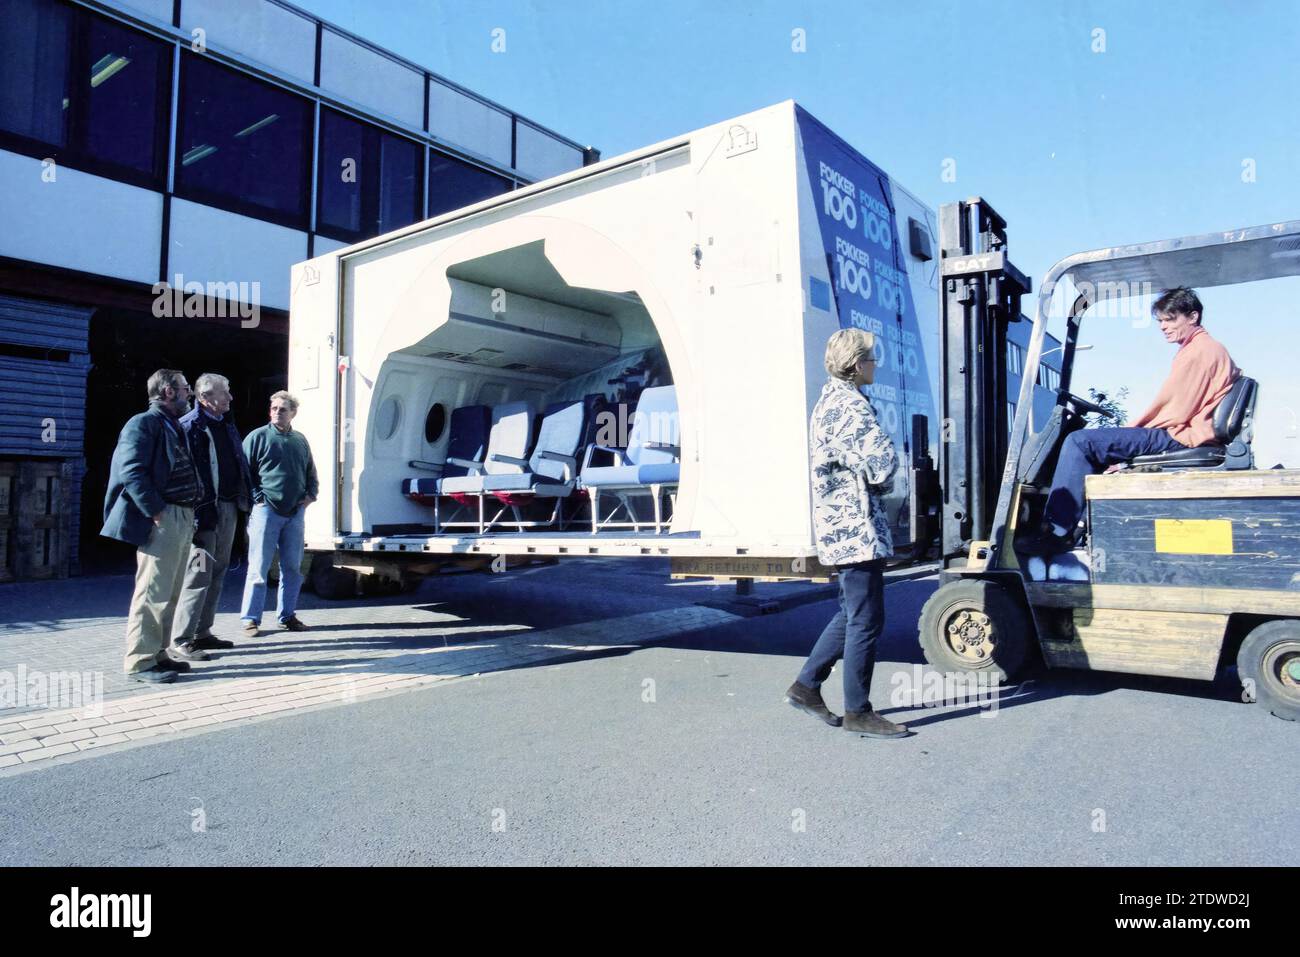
985 262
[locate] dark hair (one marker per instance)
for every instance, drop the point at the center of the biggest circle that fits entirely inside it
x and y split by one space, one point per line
163 379
1180 300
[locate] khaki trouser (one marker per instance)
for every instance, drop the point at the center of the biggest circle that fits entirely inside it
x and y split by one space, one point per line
159 573
205 575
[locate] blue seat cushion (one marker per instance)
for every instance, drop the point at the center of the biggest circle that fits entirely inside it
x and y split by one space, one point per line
460 483
609 475
657 473
508 483
421 486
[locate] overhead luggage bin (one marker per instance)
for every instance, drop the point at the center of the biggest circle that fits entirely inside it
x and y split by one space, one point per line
717 263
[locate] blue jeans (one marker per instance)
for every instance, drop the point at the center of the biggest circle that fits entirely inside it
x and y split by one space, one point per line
851 635
268 531
1089 451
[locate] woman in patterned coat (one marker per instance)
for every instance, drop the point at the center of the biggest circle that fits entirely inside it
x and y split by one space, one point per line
853 463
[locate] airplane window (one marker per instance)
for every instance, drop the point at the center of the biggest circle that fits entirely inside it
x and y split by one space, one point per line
434 423
390 416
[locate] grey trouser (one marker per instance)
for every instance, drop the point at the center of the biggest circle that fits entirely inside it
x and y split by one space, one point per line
205 574
159 572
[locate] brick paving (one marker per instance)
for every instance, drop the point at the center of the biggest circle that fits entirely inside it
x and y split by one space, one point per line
352 652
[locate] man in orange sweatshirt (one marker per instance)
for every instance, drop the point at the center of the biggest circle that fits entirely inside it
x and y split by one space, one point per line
1180 417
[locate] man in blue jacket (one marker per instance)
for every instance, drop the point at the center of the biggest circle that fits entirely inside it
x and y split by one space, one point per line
153 489
218 453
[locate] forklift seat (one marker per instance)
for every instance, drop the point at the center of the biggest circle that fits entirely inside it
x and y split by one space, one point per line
1233 428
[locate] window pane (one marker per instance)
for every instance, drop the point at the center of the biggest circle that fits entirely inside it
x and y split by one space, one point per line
35 50
369 179
401 167
123 88
242 140
453 184
342 167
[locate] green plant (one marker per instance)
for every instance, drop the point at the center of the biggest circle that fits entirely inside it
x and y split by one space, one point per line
1114 404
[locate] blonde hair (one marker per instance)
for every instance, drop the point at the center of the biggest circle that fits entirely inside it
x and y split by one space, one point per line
845 348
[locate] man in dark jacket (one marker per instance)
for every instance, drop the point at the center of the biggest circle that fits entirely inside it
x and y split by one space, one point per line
218 454
153 489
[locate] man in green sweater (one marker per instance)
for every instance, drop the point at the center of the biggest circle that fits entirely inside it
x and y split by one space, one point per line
284 484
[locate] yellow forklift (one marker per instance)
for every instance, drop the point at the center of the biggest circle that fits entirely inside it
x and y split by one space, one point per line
1190 560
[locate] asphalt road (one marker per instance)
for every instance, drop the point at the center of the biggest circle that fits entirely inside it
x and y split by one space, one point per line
684 753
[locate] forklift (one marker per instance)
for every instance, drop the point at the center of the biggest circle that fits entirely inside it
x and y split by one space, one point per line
1189 560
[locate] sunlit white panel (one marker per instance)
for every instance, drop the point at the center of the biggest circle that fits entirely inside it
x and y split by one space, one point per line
469 123
259 30
213 246
63 217
325 244
539 155
157 9
371 80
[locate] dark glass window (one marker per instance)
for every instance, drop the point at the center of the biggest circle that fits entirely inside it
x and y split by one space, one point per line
453 184
83 90
369 179
434 423
242 144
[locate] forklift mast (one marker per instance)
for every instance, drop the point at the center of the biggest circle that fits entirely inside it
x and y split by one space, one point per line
978 300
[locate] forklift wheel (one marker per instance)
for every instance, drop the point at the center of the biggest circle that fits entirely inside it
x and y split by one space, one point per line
1270 659
973 625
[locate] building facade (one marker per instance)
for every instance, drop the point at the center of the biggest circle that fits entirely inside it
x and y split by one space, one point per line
1049 373
162 164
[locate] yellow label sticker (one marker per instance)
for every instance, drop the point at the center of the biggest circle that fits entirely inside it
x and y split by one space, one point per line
1194 536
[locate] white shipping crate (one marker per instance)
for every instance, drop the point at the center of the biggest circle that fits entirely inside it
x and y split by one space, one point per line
737 249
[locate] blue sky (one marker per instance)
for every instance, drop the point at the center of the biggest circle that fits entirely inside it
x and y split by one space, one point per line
1077 149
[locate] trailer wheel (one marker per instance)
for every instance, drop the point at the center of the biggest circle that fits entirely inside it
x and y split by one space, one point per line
1268 664
974 625
329 582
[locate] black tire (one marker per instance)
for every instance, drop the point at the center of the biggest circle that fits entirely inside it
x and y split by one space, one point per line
329 582
1267 663
992 630
378 586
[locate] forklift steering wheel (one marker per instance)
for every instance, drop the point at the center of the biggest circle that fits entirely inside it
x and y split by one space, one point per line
1081 406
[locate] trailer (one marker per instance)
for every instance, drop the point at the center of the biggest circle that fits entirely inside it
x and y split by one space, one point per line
716 263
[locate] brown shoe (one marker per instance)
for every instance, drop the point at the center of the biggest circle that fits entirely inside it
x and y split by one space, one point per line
293 624
872 725
249 629
810 702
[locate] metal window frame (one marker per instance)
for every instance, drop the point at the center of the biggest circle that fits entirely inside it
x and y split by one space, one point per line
430 140
173 33
75 154
338 233
221 200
